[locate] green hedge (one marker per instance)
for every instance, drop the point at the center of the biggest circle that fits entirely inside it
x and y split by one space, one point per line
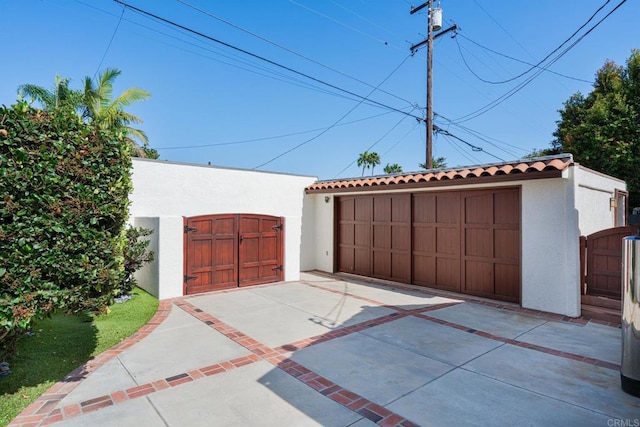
64 190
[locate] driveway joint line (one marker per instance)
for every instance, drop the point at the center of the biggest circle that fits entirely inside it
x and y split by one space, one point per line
419 313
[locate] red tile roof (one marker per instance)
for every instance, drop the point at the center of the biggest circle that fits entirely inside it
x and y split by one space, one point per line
521 169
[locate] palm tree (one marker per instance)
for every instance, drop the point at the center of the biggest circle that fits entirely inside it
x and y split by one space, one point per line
394 168
374 160
368 160
438 163
105 112
60 96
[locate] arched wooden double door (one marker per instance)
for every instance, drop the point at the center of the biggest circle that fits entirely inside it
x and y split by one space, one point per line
231 250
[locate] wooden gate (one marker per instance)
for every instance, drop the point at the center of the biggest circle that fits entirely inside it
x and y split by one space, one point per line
602 252
231 250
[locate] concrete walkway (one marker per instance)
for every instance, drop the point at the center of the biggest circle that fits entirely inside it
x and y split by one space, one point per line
334 352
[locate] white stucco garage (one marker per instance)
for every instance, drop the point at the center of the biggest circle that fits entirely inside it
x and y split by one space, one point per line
550 202
559 201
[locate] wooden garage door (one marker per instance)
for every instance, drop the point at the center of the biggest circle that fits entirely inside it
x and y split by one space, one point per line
461 241
374 235
436 240
226 251
491 244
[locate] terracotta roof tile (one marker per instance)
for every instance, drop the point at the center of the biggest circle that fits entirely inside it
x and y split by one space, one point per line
518 167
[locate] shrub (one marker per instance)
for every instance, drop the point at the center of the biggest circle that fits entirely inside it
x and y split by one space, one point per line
135 256
64 189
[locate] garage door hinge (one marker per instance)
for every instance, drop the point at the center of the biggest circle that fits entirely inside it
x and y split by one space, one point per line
188 229
277 268
187 278
277 227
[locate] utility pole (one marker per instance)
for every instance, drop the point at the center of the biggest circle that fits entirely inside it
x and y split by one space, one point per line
429 42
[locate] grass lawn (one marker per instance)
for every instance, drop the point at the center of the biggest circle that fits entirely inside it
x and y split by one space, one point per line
63 343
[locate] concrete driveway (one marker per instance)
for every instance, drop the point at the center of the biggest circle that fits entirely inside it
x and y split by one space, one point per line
336 352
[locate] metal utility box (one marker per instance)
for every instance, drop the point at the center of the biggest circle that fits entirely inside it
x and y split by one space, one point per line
630 366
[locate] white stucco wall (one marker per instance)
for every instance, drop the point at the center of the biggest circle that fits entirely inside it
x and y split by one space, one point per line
593 193
318 250
163 276
550 251
165 192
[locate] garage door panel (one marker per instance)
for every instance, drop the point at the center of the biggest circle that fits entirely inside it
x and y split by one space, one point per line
479 242
362 209
224 226
346 209
401 237
448 240
400 267
479 277
346 234
507 244
361 261
507 208
424 209
448 273
507 281
381 263
424 270
203 252
478 209
223 252
269 248
381 237
381 209
424 239
250 225
362 234
448 209
202 226
346 259
401 208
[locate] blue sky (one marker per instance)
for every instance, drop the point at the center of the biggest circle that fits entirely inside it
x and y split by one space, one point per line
213 104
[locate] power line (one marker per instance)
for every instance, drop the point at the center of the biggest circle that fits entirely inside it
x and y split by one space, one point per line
262 58
520 86
265 138
513 59
486 138
533 67
502 28
375 143
455 145
363 18
284 78
473 147
337 121
109 44
343 24
211 15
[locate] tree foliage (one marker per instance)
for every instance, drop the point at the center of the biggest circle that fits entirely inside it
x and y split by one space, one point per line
64 187
393 168
437 162
97 106
368 160
602 129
